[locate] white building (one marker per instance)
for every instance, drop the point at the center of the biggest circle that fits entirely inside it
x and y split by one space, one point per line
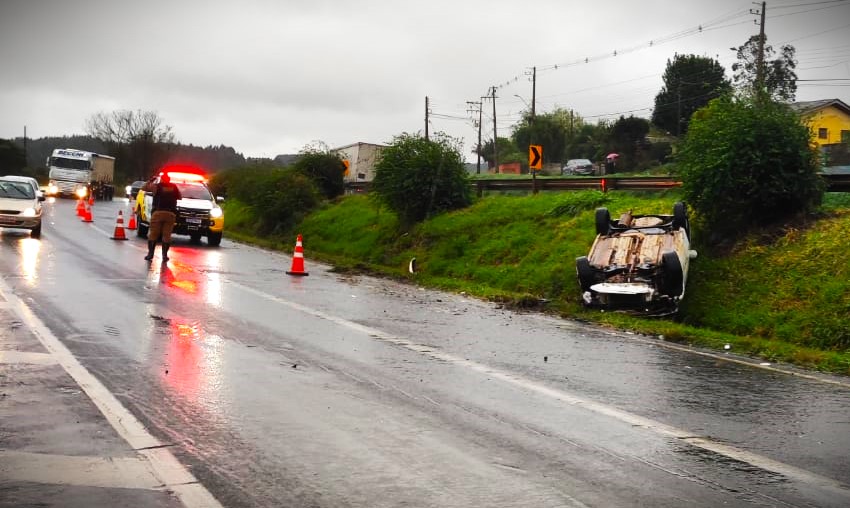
361 159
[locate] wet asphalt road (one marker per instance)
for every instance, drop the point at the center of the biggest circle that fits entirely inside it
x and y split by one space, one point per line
333 391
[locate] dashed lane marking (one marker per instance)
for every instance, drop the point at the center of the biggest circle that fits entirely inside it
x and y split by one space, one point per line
569 398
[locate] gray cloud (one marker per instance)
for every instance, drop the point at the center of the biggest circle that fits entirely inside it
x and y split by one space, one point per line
268 77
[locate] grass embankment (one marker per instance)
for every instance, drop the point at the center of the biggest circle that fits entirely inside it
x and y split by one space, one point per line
783 299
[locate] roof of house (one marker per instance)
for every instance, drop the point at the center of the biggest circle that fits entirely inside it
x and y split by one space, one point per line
804 107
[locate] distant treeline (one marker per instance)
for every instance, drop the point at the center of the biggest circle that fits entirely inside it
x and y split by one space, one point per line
128 165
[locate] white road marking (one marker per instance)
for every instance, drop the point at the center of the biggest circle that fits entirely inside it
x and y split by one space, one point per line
168 471
27 358
569 398
109 472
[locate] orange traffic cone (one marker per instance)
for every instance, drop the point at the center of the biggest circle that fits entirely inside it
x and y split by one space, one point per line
91 200
119 228
298 260
87 215
132 224
81 208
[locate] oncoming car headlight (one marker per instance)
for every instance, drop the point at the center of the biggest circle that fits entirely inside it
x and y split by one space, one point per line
215 213
81 192
29 212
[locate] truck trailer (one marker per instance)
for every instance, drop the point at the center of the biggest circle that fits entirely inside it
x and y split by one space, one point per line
81 174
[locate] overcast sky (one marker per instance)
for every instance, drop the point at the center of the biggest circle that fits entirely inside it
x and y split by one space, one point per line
268 77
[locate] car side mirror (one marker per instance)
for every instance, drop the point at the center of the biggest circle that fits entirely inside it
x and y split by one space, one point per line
41 197
219 198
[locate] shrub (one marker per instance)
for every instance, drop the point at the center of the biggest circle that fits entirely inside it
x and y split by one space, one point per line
326 169
418 178
746 163
279 197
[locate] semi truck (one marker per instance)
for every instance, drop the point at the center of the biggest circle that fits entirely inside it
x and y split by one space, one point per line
80 174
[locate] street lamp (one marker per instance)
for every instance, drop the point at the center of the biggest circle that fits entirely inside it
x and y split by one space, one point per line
523 100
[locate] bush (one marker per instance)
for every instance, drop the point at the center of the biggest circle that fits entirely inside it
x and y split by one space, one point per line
279 197
325 169
746 163
418 178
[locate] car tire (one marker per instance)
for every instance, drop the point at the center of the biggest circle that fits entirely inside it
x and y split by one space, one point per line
214 239
672 275
603 221
680 218
585 273
36 231
195 238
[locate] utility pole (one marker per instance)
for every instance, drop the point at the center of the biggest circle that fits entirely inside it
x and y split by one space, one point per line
426 118
475 107
495 134
760 56
25 146
531 125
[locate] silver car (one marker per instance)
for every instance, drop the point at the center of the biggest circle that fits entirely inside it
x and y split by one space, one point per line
578 167
20 205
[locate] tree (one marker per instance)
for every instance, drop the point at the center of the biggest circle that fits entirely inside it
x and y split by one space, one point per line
418 178
507 149
627 136
140 140
325 168
552 130
12 158
779 79
690 82
747 162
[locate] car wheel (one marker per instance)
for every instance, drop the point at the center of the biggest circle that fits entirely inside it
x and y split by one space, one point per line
214 239
195 238
142 229
672 276
36 231
584 271
603 221
680 218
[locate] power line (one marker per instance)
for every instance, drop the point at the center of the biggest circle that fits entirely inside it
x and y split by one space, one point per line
807 4
654 42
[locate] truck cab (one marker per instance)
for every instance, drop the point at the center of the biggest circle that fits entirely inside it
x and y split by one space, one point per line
198 211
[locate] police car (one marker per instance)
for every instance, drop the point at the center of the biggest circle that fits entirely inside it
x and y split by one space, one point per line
198 212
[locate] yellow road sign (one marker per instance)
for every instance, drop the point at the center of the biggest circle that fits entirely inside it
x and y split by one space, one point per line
535 156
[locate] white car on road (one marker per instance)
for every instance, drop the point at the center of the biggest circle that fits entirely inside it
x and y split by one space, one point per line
20 204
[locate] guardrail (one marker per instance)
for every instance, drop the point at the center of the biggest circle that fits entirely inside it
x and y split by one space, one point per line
834 183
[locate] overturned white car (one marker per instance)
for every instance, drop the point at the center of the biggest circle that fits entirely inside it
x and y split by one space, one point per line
637 263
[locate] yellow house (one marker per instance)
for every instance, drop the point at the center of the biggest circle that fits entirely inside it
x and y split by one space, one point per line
828 119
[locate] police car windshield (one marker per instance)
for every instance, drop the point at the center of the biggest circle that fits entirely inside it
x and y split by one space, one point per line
194 191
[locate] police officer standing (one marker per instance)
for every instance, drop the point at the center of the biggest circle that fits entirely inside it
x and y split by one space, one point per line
164 207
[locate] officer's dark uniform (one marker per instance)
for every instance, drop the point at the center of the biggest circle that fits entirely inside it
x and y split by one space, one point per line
164 207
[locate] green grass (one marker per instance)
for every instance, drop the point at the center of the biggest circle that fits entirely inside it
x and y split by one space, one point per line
783 298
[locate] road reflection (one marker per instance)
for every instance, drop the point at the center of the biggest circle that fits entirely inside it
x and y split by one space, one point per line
192 358
193 361
181 273
30 249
